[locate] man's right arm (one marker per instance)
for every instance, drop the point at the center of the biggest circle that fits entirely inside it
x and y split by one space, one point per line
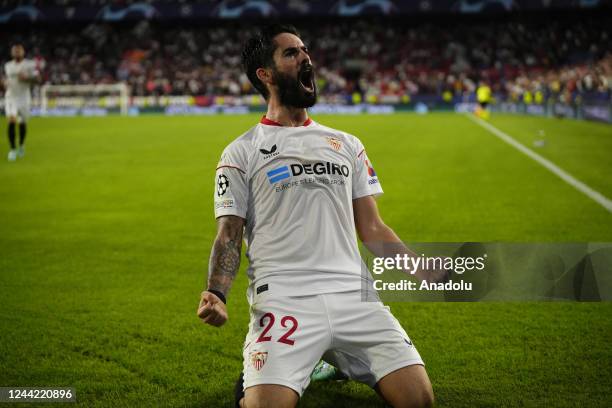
222 269
4 79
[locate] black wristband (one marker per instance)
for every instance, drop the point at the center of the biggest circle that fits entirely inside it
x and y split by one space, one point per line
218 294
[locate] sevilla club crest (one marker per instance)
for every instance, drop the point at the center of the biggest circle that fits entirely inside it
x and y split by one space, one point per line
335 143
258 359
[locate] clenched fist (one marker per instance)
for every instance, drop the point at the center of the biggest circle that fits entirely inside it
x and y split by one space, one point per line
212 310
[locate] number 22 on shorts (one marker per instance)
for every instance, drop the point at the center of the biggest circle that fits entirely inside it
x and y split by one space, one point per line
288 322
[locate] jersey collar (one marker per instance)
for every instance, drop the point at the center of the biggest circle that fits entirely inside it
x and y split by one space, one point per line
269 122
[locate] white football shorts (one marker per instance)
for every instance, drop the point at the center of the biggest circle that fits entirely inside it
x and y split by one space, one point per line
17 108
289 335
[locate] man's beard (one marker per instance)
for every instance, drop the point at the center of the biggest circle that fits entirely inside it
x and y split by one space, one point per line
291 92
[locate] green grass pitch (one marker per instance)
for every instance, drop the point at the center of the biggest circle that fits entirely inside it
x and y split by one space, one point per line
107 223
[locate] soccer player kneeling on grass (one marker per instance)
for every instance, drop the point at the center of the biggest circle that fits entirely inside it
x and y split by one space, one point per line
302 193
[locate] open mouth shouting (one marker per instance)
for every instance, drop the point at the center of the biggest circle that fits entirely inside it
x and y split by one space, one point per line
306 78
297 91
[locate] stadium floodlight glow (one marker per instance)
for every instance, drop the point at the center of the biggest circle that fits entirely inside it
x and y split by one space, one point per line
80 96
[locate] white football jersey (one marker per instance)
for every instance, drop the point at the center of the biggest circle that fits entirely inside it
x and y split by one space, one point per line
17 89
295 188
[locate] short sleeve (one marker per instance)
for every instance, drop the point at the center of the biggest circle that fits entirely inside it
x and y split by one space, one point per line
365 179
231 187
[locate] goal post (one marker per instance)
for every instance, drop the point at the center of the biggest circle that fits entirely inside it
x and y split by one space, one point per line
115 95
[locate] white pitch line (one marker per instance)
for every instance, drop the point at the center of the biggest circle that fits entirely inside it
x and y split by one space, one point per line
596 196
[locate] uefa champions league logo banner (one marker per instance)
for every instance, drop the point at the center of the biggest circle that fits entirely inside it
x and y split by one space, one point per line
164 10
471 272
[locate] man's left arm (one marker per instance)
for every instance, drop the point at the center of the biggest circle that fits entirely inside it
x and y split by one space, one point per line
381 240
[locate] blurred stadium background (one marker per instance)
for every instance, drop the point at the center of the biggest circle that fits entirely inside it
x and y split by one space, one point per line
540 57
106 224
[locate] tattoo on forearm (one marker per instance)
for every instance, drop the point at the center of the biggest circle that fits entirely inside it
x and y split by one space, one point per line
225 257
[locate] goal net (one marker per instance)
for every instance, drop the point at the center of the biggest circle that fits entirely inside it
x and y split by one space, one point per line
106 98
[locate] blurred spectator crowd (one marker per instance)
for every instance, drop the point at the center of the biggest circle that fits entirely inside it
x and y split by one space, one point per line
368 59
64 3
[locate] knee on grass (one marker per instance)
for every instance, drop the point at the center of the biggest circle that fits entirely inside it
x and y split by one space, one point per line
408 387
269 396
423 398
